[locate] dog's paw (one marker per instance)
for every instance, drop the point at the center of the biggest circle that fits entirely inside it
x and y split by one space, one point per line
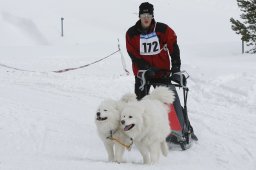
110 159
120 161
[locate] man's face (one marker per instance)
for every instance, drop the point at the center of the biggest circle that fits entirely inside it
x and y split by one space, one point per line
146 19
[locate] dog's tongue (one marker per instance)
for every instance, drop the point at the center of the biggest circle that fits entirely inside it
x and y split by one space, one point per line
127 127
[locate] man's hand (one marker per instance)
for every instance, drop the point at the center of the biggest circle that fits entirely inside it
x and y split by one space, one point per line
179 78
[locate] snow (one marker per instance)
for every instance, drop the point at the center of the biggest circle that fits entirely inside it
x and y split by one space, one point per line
47 119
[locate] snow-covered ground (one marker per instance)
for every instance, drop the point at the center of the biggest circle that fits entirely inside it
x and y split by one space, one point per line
47 119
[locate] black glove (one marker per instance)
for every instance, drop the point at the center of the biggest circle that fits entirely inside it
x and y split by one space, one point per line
180 79
175 77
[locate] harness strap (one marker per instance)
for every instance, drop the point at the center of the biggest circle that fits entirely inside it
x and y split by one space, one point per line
123 60
164 48
128 147
141 75
155 27
165 45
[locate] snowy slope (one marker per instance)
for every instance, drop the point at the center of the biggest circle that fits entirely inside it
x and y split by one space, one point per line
47 119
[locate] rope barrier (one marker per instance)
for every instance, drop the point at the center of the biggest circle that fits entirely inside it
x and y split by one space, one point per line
75 68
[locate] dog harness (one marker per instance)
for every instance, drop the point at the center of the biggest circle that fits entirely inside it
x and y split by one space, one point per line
128 147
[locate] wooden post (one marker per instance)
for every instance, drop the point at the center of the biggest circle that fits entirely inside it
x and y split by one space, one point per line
242 46
62 32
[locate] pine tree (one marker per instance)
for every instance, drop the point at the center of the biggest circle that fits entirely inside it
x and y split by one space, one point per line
247 29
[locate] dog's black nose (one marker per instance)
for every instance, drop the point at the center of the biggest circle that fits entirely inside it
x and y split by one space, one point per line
98 113
122 122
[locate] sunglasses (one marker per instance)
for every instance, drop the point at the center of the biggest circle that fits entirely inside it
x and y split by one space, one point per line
146 15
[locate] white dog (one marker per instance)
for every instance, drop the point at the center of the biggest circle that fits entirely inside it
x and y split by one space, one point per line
146 122
108 125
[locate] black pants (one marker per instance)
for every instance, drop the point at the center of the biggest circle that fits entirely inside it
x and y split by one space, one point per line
161 82
153 82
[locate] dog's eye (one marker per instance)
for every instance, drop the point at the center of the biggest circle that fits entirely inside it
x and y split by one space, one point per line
130 117
105 110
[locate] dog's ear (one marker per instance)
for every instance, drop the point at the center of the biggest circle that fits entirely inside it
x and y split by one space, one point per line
112 103
119 106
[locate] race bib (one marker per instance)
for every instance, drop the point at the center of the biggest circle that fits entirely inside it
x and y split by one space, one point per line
149 44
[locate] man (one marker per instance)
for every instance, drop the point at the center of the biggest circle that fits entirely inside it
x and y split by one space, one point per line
148 43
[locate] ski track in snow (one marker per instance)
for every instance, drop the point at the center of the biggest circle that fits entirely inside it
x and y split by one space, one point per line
227 117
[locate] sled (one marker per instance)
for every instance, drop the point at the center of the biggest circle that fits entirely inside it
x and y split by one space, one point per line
182 132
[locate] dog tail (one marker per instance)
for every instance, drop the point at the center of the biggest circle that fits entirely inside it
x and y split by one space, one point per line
164 148
163 94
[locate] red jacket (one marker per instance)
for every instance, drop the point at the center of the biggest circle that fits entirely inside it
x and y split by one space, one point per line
160 61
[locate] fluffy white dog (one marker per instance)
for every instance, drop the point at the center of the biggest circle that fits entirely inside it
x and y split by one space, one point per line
146 122
108 125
